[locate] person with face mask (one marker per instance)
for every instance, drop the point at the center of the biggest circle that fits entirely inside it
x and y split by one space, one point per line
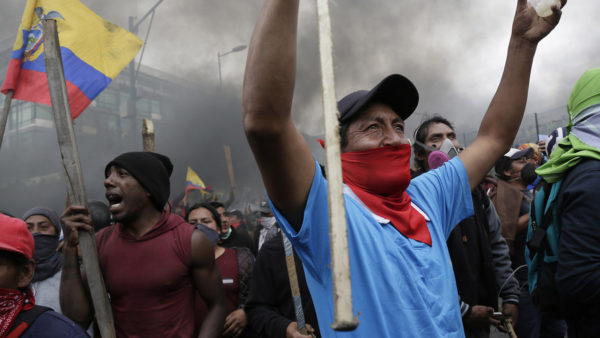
230 236
512 199
235 265
267 225
479 253
21 315
44 225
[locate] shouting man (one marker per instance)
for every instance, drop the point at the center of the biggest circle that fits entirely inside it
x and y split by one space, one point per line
402 280
152 261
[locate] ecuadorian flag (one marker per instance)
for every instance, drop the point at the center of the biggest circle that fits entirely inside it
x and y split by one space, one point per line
93 52
193 181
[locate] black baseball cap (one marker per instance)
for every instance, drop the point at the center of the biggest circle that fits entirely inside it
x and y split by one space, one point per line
396 91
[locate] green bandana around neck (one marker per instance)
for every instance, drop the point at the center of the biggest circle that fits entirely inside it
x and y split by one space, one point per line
583 140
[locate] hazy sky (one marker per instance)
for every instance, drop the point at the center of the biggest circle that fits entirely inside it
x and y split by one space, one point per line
453 51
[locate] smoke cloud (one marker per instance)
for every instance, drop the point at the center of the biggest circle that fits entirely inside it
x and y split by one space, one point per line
453 51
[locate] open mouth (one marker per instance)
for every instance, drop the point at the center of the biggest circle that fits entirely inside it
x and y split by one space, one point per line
115 201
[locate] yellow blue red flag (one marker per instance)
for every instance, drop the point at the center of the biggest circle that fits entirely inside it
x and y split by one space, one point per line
93 52
193 181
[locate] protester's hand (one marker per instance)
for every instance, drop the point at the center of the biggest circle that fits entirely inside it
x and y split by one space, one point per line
510 311
292 331
75 217
480 316
235 323
531 27
542 146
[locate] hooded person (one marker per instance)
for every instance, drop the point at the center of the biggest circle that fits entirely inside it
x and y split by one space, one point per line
44 225
20 316
574 164
144 239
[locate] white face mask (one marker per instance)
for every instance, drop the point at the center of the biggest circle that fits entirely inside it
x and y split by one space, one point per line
448 148
267 222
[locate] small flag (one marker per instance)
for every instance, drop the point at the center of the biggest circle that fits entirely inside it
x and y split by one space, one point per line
193 181
93 52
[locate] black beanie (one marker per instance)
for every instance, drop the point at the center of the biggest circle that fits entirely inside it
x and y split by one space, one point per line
152 170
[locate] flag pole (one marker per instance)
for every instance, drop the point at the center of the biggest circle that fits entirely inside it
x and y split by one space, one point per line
148 135
73 174
344 319
5 110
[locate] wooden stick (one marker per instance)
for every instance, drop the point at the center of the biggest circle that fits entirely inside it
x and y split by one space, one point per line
510 328
148 135
73 174
344 319
5 110
227 150
293 278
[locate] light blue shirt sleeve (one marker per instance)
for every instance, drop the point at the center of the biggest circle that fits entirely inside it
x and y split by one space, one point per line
444 194
312 241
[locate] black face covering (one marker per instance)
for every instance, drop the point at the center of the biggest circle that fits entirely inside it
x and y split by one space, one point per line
47 260
528 174
212 235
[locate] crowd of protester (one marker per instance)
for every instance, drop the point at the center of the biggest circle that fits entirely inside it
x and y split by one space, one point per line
442 248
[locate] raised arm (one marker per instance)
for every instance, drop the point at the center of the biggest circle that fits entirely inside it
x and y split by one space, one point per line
503 117
284 159
208 283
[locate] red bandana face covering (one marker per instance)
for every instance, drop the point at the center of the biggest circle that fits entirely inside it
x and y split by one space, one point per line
380 177
11 303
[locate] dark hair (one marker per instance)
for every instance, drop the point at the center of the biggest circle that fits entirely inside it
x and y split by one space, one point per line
208 207
216 204
237 214
421 135
502 164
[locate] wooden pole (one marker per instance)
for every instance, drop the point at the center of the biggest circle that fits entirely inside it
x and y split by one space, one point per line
5 110
73 173
148 135
510 328
227 150
293 278
344 319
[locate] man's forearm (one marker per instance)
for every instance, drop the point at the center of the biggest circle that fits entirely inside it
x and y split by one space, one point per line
212 326
504 115
74 298
271 65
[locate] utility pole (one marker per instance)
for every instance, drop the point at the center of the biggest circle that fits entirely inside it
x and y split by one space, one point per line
220 55
537 127
132 101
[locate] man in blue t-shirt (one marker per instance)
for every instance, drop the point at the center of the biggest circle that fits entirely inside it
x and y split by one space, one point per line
402 280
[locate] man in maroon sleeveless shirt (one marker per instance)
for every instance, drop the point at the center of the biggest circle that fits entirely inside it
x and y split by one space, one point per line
152 261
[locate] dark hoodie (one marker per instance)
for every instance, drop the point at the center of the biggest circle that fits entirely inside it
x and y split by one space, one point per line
148 278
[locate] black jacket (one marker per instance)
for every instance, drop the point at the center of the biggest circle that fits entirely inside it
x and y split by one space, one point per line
578 269
270 307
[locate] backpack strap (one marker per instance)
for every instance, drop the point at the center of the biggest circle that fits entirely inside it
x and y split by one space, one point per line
539 228
539 242
25 319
